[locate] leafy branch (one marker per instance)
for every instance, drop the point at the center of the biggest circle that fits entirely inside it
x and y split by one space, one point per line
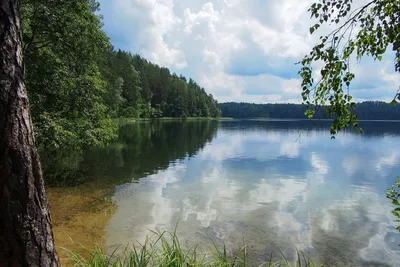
394 196
377 25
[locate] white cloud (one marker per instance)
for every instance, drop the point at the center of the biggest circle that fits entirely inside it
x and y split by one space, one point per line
290 148
351 164
320 165
220 42
144 25
155 210
387 160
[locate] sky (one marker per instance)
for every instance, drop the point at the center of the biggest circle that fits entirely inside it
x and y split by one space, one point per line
238 50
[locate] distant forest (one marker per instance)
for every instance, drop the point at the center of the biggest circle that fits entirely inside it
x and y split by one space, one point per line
370 110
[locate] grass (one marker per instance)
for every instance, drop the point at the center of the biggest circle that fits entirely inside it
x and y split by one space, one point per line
164 249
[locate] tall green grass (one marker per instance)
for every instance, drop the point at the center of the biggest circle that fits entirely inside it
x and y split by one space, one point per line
165 249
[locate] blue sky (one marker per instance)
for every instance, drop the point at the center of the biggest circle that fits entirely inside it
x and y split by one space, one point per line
239 50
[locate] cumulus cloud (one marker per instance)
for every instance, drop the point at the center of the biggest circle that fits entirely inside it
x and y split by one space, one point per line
142 27
239 50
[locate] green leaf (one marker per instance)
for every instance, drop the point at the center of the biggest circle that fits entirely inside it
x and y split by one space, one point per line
377 22
396 214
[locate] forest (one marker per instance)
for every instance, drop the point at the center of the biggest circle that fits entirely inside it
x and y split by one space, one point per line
78 83
369 110
65 91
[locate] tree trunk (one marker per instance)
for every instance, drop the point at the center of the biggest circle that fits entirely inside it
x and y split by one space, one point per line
26 236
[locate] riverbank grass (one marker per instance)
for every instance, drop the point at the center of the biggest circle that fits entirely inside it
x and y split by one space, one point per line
164 249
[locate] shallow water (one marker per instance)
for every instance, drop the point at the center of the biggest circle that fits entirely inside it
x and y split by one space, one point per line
271 184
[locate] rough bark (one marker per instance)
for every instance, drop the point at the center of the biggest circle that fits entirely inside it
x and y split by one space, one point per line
26 237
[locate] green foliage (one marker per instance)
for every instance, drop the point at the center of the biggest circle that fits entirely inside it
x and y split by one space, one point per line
147 111
130 112
394 196
62 43
114 99
151 91
165 249
366 31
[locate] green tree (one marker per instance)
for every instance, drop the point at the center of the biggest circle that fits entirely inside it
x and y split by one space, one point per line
368 30
170 95
114 97
123 67
62 44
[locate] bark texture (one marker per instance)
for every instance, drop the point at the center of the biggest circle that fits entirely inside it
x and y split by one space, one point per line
26 237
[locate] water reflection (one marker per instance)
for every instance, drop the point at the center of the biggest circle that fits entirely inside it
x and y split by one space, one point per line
142 149
81 183
284 184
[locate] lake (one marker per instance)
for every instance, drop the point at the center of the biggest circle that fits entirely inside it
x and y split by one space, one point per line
278 186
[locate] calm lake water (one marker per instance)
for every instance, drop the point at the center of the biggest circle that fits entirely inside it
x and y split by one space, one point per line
283 184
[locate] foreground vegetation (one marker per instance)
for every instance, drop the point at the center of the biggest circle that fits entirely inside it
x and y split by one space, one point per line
166 249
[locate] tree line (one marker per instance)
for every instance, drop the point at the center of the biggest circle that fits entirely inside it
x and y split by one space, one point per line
369 110
77 83
151 91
